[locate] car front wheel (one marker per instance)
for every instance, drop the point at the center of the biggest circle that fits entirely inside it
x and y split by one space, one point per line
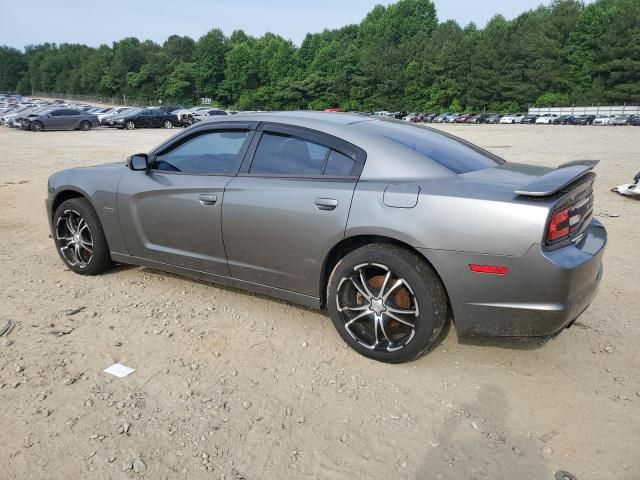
36 126
130 125
168 124
386 303
79 237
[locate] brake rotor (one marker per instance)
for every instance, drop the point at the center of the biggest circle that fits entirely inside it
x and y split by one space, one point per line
402 297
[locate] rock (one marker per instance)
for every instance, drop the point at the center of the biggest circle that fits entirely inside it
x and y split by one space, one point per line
474 425
305 344
139 466
517 451
548 436
343 438
548 450
88 403
608 349
289 411
246 405
127 465
7 342
124 428
19 368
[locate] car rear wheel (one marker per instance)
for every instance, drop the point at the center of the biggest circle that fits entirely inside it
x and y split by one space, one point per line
36 126
130 125
168 124
79 237
85 126
386 303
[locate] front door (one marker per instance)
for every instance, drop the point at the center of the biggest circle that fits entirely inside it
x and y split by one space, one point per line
172 214
290 206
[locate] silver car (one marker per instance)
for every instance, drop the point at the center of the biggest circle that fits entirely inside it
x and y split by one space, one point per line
61 119
394 228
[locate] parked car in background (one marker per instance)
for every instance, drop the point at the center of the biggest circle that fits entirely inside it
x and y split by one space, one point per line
634 120
493 119
63 119
113 112
393 240
451 118
546 119
170 108
198 116
479 118
585 119
464 118
530 118
565 120
142 118
512 118
428 118
620 120
441 118
603 120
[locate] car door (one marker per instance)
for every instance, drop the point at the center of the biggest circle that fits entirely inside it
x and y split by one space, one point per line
288 206
171 214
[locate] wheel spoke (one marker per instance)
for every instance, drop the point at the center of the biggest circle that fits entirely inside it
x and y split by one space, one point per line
396 285
384 331
360 288
398 319
364 284
356 318
387 277
353 309
70 226
400 311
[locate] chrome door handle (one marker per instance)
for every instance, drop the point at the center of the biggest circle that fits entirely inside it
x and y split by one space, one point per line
207 199
326 203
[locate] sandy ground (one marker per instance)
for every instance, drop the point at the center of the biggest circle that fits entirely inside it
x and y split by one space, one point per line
233 385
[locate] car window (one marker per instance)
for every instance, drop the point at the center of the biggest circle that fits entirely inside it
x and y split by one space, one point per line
57 113
208 153
71 112
287 155
450 152
339 165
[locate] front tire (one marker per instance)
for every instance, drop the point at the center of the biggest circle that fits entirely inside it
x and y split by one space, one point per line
36 126
79 237
130 125
386 303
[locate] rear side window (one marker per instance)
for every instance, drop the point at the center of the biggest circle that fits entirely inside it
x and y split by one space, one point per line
452 153
288 155
209 153
339 165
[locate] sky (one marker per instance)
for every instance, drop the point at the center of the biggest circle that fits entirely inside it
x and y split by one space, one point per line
94 22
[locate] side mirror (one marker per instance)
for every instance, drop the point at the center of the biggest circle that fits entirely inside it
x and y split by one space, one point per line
139 162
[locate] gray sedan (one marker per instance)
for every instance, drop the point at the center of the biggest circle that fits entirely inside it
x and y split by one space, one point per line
60 119
395 229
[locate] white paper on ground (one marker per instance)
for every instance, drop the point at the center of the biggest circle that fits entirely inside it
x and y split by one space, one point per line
119 370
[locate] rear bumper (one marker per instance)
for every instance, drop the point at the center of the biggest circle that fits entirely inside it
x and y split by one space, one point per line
544 292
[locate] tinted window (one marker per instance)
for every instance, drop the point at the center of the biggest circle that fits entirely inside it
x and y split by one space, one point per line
213 153
71 112
339 165
57 113
286 155
450 152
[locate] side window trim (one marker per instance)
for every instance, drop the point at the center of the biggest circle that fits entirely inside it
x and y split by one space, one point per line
330 142
251 134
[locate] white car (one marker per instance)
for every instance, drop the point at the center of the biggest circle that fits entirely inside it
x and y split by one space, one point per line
546 119
112 111
603 119
512 118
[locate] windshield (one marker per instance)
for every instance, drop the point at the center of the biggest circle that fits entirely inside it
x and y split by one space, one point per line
451 152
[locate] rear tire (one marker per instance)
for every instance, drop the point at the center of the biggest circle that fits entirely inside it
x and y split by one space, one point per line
80 239
168 124
386 303
85 126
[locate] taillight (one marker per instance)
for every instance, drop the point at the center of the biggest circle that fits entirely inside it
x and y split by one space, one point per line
559 226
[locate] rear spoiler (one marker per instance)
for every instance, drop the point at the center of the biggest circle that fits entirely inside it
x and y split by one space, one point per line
559 178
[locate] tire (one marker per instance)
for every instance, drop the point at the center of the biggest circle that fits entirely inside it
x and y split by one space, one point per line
399 283
168 124
130 125
85 126
36 126
86 252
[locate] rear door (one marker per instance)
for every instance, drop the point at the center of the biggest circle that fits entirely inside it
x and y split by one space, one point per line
172 214
288 206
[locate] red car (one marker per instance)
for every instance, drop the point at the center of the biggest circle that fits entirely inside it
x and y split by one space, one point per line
333 110
464 118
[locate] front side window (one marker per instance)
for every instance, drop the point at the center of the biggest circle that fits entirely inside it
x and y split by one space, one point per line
208 153
279 154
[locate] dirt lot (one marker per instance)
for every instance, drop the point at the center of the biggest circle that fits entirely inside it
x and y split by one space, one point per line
233 385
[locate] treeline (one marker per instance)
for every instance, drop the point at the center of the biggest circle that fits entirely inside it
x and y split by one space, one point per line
398 58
